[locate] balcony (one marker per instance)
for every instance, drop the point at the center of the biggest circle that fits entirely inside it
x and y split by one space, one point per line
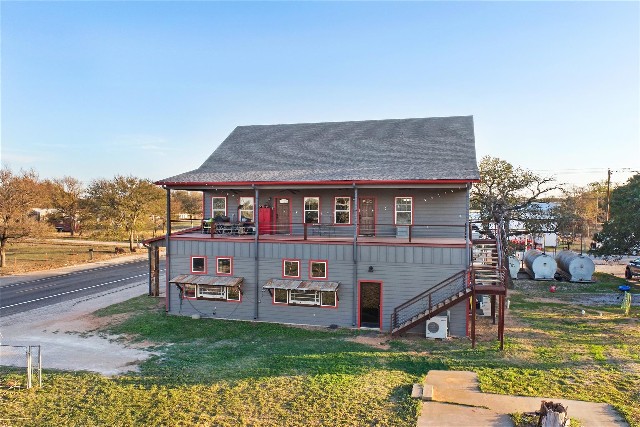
453 235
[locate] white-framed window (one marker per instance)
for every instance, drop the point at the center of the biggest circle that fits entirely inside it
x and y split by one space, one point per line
199 264
188 291
404 210
224 266
280 296
290 268
328 299
218 207
312 210
342 210
218 292
246 209
212 291
303 297
318 269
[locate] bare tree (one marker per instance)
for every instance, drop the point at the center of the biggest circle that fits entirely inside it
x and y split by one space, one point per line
19 194
508 193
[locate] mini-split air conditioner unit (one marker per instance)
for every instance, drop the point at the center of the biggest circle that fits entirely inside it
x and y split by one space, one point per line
437 327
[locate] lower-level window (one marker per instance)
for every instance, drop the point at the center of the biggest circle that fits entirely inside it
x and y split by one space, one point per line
302 297
189 291
211 292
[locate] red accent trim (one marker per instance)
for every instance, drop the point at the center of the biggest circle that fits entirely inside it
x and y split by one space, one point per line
226 205
347 183
205 264
350 209
177 233
467 317
395 213
304 212
290 277
381 305
230 266
326 269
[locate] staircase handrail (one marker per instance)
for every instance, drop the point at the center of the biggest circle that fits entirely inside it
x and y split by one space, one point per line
425 301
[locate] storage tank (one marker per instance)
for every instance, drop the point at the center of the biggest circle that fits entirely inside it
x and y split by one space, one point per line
514 267
575 267
538 265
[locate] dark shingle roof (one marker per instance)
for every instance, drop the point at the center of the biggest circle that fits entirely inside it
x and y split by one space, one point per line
438 148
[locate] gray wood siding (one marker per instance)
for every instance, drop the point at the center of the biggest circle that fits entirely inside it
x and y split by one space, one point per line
404 272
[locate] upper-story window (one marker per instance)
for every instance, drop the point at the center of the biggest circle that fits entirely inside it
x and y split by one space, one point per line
404 210
218 207
246 209
311 210
290 268
224 266
342 210
198 264
318 269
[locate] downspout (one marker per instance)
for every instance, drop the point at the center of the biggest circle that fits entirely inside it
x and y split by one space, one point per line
167 267
256 219
354 315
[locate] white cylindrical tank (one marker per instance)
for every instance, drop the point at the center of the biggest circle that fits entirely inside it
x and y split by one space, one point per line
538 265
575 267
514 267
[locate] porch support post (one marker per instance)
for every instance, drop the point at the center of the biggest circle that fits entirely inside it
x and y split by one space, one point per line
473 318
257 258
467 230
167 258
355 256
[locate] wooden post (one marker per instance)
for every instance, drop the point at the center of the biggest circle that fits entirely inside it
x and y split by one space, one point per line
473 319
552 415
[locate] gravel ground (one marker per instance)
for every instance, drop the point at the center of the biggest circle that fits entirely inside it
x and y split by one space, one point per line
64 331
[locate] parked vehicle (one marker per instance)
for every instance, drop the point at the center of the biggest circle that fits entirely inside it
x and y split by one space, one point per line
633 269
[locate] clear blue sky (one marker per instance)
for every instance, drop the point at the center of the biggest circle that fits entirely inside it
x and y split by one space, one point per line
94 89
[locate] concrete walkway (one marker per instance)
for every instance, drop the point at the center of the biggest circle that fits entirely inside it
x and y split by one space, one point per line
457 401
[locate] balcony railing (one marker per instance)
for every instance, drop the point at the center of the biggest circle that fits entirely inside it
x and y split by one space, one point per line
309 231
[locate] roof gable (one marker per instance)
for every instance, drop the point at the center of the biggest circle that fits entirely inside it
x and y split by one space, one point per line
439 148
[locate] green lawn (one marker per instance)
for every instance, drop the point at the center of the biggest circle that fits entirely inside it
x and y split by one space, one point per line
224 373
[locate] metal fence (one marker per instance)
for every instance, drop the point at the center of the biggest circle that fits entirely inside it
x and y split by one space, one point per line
20 366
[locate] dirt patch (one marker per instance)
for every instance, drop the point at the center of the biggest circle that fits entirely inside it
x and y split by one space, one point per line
380 341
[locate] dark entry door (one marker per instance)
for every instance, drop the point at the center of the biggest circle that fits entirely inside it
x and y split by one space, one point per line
370 304
367 217
282 216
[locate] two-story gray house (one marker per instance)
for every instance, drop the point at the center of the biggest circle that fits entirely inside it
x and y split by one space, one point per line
358 224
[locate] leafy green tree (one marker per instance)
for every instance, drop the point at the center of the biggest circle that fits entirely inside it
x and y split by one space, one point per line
66 198
507 193
125 203
622 233
19 194
580 212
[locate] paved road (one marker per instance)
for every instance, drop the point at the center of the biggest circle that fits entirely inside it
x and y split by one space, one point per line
31 293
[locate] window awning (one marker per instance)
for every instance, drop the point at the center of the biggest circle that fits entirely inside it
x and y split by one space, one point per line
303 285
201 279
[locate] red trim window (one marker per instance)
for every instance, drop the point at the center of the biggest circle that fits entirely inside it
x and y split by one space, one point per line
218 206
246 209
318 269
312 210
199 264
403 210
342 210
224 266
290 268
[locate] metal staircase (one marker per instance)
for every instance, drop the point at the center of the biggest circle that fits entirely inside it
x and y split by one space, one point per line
430 303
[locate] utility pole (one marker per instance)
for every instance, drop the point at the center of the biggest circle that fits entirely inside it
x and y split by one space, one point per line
608 192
